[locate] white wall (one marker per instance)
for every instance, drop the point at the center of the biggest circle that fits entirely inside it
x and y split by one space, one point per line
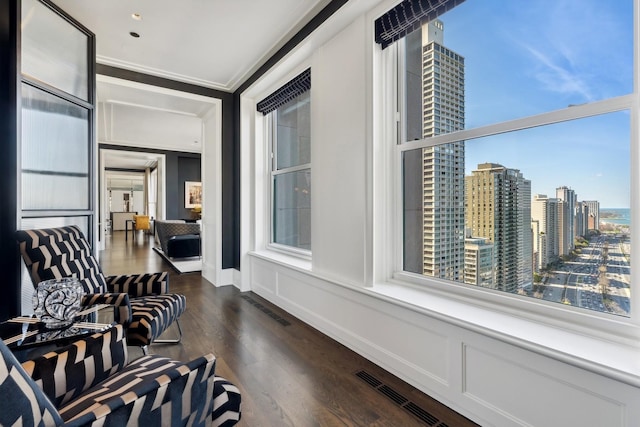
535 376
338 163
212 198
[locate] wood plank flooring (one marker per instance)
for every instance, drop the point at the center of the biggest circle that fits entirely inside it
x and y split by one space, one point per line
289 373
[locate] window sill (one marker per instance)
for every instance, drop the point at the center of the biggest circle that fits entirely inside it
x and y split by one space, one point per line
614 360
284 259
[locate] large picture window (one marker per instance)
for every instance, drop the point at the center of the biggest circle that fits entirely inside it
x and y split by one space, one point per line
291 173
515 150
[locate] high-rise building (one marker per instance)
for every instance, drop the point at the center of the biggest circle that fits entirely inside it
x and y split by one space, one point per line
594 214
566 217
544 211
525 236
478 262
539 243
561 224
498 207
442 166
581 225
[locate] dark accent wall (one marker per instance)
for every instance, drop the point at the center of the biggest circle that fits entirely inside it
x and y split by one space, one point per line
188 170
230 156
9 120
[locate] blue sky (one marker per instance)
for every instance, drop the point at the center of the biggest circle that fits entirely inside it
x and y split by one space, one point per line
528 57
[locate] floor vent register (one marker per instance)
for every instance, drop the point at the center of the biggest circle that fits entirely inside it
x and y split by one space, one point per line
400 400
267 311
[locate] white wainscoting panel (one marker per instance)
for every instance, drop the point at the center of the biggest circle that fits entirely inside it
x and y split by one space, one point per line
263 279
527 395
424 350
492 382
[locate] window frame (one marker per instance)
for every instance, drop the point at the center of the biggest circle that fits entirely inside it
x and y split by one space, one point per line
390 74
271 130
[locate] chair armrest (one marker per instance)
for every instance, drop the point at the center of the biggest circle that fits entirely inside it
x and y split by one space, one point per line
82 365
226 403
23 402
138 285
122 307
153 390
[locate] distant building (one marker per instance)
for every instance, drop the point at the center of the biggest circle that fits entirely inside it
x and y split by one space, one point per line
544 211
581 224
498 207
434 224
566 217
594 213
562 235
539 244
478 262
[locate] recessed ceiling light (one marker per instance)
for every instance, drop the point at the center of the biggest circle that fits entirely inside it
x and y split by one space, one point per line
134 34
136 16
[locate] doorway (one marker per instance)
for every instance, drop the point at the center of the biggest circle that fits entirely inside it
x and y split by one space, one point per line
131 182
144 119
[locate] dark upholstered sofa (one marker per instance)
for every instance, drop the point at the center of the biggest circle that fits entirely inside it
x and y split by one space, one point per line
178 238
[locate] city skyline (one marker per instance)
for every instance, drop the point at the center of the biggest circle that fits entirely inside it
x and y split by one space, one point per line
515 212
523 59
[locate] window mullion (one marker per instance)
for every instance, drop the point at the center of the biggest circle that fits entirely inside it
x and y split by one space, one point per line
619 103
292 169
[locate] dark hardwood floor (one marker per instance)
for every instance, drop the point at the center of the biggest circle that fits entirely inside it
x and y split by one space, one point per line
289 373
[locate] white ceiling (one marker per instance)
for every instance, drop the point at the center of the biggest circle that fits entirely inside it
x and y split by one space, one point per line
137 115
211 43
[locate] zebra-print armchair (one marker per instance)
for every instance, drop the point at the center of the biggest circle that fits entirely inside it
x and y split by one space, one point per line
144 304
91 383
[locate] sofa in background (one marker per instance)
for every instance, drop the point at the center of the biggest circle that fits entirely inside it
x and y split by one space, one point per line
178 238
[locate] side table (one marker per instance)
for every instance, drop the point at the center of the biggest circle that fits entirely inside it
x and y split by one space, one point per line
27 332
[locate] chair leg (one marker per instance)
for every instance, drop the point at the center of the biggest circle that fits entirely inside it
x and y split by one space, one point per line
172 341
145 350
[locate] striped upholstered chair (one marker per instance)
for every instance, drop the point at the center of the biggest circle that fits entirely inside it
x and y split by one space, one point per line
142 301
90 383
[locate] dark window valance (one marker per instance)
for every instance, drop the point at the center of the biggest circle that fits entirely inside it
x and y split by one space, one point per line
295 87
409 16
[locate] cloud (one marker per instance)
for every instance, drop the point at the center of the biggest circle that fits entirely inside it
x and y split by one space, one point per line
557 78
